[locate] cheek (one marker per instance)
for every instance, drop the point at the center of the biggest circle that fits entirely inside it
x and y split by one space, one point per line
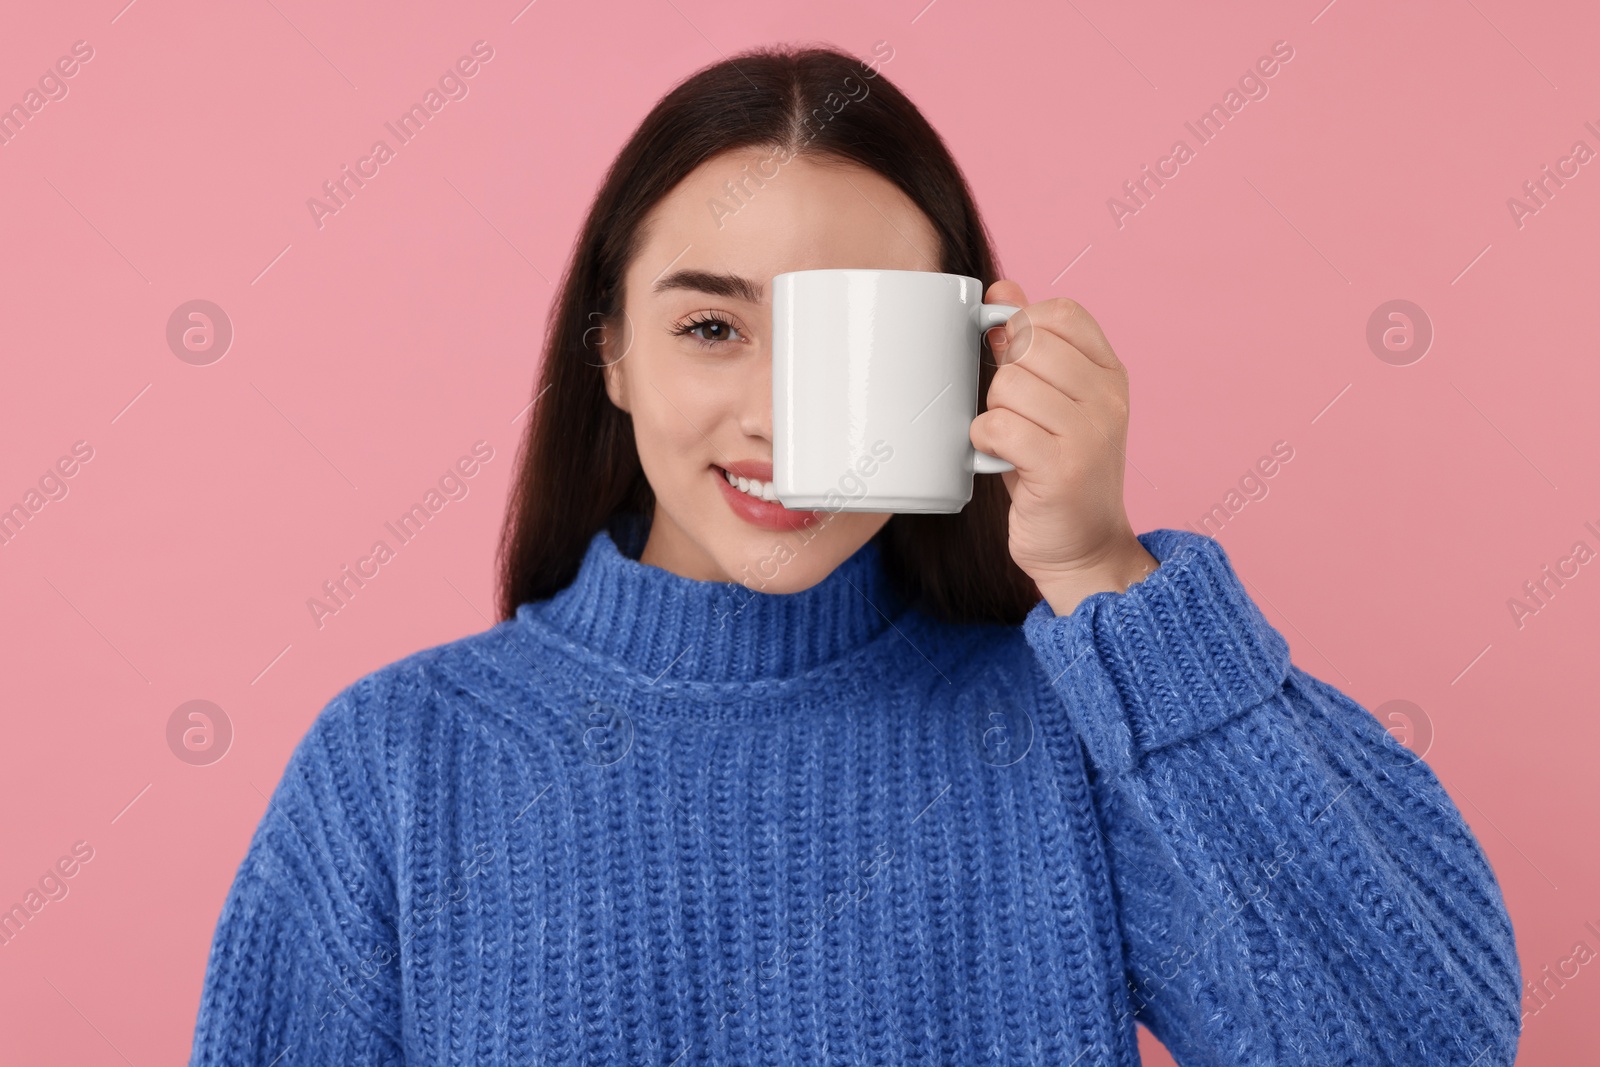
675 418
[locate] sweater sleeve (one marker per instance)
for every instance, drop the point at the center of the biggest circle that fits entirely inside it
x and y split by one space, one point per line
1293 885
303 967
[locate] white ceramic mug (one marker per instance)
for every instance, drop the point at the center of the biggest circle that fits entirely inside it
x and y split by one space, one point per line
874 389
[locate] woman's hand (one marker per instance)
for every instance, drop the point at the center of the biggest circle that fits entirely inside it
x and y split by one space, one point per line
1058 411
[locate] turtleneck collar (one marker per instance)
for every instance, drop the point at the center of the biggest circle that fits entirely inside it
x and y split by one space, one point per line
666 626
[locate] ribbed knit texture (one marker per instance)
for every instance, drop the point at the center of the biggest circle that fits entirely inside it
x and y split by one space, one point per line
656 821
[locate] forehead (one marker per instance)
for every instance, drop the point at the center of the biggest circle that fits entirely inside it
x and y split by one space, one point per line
744 213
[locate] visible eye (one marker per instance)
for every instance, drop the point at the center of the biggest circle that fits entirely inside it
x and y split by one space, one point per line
719 328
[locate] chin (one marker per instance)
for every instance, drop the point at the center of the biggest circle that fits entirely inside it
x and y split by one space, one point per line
771 562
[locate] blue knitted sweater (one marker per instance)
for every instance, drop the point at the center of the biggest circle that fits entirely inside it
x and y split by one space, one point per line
659 821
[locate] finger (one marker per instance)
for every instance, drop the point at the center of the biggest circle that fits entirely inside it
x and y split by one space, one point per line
1017 388
1067 319
1028 446
1004 291
1053 359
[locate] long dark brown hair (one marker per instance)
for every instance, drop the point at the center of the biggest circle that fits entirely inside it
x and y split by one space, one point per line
578 466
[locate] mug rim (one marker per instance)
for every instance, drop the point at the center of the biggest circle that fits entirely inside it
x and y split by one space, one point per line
873 270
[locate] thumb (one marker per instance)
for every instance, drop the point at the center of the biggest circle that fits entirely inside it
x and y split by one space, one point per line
1004 291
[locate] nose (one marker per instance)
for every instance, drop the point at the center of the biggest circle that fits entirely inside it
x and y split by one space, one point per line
755 401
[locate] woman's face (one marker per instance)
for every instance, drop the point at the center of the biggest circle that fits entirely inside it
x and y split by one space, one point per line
692 362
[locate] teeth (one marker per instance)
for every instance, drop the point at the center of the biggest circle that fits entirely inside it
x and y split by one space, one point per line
751 487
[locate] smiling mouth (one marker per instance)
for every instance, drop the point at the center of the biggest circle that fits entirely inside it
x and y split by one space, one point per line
757 503
750 487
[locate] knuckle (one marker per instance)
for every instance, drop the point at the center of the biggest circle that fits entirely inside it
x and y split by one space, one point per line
1003 385
1011 426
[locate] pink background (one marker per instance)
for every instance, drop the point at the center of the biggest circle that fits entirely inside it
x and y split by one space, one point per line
370 353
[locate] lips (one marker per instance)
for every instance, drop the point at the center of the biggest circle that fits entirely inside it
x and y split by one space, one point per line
757 470
753 510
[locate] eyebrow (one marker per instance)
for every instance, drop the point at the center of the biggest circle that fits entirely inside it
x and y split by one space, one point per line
705 281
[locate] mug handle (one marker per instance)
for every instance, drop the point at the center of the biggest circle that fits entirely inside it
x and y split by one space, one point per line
990 316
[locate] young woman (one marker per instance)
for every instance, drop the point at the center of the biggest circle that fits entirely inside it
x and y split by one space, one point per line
733 784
